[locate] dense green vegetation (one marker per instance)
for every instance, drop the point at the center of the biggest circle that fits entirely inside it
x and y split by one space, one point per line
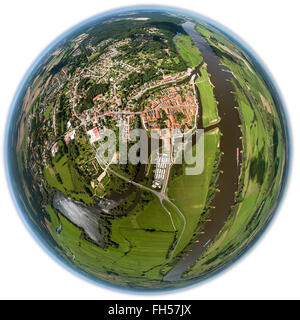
63 177
93 90
124 28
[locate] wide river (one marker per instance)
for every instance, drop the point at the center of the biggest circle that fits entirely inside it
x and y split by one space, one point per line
230 141
87 218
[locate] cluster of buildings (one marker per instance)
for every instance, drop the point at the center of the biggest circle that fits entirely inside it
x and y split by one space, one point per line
108 71
169 108
176 109
169 78
124 123
95 134
104 67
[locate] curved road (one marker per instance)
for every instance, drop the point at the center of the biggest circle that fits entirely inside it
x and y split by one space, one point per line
162 196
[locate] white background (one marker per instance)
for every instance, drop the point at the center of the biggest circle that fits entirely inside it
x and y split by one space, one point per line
271 269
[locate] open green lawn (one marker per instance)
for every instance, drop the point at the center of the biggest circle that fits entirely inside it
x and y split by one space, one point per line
190 191
147 249
62 168
203 31
138 231
209 104
154 217
188 50
94 56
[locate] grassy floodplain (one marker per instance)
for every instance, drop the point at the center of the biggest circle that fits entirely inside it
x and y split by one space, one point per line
188 50
64 178
209 104
191 192
263 156
254 197
193 57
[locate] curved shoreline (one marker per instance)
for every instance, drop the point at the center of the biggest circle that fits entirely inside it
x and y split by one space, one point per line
229 142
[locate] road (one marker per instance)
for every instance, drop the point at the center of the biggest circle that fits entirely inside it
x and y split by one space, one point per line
162 196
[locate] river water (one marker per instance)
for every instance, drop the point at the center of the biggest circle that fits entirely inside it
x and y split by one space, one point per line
229 142
87 219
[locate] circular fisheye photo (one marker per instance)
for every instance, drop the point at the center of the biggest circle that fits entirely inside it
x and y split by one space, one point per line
147 148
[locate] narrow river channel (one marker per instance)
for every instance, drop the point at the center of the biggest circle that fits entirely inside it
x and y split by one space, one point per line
229 142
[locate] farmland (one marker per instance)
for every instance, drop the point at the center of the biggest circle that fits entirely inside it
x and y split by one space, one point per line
98 130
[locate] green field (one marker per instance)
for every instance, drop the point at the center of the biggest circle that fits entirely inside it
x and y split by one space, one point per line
153 217
154 224
209 104
94 56
190 191
143 239
188 50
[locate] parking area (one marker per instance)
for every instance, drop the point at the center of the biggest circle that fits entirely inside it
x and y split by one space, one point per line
162 161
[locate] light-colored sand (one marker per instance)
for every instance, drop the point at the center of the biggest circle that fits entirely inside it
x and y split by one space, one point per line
213 132
51 171
102 175
265 103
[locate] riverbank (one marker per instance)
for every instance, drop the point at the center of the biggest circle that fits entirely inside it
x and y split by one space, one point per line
229 142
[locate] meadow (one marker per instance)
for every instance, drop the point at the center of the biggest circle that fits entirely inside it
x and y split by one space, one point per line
209 104
188 50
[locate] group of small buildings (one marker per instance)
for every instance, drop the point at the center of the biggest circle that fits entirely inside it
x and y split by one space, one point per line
170 78
172 104
163 111
124 124
95 134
